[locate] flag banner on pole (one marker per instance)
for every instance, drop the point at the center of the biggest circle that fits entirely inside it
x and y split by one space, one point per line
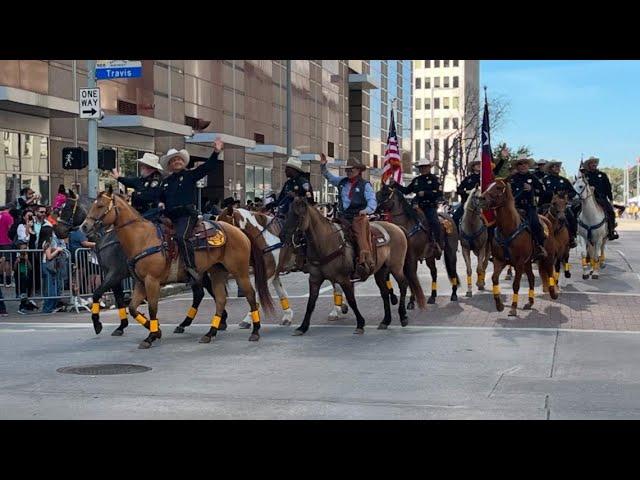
392 160
486 173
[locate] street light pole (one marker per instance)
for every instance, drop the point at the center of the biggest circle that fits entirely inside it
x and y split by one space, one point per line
289 133
92 137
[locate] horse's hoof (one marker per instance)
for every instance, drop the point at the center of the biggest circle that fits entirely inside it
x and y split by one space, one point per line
394 299
344 309
585 277
332 317
222 326
595 276
117 332
567 274
411 306
500 307
454 297
244 324
158 334
286 323
297 332
205 339
404 322
431 300
179 329
480 286
383 326
508 277
602 265
513 313
528 306
97 327
358 331
254 337
144 345
469 295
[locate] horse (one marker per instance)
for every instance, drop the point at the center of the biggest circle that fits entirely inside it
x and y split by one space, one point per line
512 244
403 214
560 233
592 229
227 252
113 265
331 257
474 238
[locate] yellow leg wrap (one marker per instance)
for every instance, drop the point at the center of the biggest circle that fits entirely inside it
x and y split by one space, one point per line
601 258
496 289
192 313
284 303
481 277
95 308
255 316
515 298
154 326
584 261
454 282
552 281
389 284
215 321
532 293
122 313
140 319
434 285
470 279
337 299
556 276
567 266
593 264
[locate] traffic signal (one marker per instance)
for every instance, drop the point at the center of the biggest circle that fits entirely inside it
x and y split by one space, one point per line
74 158
106 159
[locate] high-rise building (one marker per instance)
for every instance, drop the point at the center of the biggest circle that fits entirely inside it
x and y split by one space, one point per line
446 114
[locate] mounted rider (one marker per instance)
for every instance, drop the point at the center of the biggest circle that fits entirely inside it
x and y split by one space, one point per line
525 187
428 192
467 185
147 187
603 192
356 200
178 198
297 185
540 169
555 183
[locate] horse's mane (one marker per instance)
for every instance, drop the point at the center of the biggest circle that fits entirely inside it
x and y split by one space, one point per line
408 210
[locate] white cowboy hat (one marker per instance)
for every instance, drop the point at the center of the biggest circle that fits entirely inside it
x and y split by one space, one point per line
553 162
592 159
164 161
151 160
424 162
294 163
541 162
523 158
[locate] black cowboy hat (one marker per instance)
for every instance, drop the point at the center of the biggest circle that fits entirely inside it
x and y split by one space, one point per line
228 202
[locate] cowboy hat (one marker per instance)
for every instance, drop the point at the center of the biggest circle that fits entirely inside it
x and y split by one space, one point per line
541 162
164 161
472 163
227 202
550 163
521 159
592 159
294 163
424 162
150 160
356 164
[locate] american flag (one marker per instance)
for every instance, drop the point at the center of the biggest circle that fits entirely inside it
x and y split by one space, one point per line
392 160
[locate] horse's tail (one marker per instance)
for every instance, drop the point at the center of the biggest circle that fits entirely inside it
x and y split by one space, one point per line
260 278
451 257
414 284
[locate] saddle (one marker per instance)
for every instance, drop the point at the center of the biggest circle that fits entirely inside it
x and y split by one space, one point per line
206 234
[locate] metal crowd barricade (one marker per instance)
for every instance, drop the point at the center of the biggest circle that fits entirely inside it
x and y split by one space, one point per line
30 278
87 272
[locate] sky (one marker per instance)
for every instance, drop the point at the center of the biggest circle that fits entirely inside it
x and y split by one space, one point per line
563 109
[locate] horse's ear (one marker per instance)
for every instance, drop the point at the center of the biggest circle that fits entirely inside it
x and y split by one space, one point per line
71 194
229 211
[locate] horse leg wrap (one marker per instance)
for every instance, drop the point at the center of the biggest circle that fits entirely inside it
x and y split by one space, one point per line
552 281
532 294
514 300
470 279
255 316
284 303
434 285
141 319
337 299
122 313
454 282
192 313
584 261
215 321
567 266
153 328
95 308
496 289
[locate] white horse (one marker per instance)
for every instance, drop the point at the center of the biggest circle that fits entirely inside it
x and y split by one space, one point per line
473 238
592 229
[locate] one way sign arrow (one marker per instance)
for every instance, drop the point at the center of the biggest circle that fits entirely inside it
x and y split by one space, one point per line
91 112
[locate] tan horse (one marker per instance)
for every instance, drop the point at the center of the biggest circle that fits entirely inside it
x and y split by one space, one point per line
151 265
331 258
512 244
559 234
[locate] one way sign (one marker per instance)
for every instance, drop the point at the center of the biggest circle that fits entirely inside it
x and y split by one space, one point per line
90 102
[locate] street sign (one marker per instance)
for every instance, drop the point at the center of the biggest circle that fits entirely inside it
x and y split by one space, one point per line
110 69
90 103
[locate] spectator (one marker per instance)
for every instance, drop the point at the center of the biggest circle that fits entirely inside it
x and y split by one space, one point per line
257 204
61 197
215 208
6 222
52 268
3 307
27 198
23 271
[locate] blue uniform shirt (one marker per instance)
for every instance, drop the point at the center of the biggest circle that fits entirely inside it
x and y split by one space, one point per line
334 180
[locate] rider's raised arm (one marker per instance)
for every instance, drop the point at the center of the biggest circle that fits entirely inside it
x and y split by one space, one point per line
331 178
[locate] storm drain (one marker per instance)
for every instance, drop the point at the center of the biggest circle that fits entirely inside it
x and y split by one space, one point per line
105 369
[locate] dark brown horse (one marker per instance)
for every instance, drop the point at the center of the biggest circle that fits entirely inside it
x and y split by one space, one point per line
331 257
560 234
512 243
148 259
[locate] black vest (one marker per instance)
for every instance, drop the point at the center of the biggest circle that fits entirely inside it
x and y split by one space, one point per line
358 200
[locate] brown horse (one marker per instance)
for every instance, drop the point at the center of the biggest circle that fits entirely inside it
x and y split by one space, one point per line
512 244
331 257
148 260
560 234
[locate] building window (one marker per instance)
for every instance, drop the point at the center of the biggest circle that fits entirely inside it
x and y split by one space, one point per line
445 63
417 124
427 104
455 63
436 64
427 64
330 149
445 82
375 161
456 82
258 138
456 102
436 82
455 123
427 82
445 124
436 149
445 102
418 83
436 124
418 104
427 148
427 124
436 103
417 149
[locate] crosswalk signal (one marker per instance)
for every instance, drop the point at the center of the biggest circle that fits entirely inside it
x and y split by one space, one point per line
74 158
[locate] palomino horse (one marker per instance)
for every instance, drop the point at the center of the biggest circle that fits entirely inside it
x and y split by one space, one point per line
560 233
473 238
592 229
512 244
113 265
403 214
331 257
143 245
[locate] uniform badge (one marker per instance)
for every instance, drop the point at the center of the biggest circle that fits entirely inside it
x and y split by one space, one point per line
357 189
146 184
181 177
428 182
529 180
599 175
306 186
561 181
295 188
154 184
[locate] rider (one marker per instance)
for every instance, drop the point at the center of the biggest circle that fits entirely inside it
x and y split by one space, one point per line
178 198
297 185
555 183
356 201
467 185
525 186
428 192
604 196
540 170
147 187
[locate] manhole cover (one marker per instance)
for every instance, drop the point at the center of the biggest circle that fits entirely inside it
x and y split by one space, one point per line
105 369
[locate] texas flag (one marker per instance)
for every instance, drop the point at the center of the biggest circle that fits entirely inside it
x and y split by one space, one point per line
486 173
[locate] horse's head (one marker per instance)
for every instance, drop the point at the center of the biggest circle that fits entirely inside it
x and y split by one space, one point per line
384 198
297 219
473 201
228 215
101 214
496 195
70 216
583 188
558 205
